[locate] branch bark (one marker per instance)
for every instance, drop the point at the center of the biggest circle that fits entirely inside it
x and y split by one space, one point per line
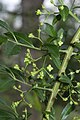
62 70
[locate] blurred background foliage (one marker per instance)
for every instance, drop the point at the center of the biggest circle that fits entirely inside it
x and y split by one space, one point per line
21 16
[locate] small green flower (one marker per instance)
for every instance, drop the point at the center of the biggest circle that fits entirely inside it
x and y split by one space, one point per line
28 50
73 91
51 1
77 71
33 73
38 12
16 66
71 73
78 84
34 65
76 103
41 23
71 102
14 87
21 95
31 35
65 99
51 76
49 68
60 43
19 86
27 61
28 58
61 7
23 116
39 30
41 75
16 103
43 7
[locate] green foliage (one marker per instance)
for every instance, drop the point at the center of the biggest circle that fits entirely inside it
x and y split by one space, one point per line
66 111
50 30
65 79
64 12
2 39
11 48
52 115
3 24
39 85
54 52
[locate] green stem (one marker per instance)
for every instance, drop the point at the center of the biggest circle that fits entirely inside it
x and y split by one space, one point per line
62 70
24 45
41 88
74 16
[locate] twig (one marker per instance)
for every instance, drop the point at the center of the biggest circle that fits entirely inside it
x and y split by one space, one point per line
62 70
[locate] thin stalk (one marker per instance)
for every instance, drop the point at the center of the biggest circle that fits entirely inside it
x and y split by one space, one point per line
74 16
24 45
41 88
62 70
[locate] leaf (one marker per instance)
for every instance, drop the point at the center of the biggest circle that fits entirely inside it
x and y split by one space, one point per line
65 79
52 115
5 105
18 74
11 48
61 2
21 38
7 112
56 19
66 111
50 30
2 39
54 52
77 56
3 24
60 33
5 83
77 45
6 115
64 12
34 100
40 94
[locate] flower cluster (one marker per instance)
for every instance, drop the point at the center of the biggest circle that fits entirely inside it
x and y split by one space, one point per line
28 58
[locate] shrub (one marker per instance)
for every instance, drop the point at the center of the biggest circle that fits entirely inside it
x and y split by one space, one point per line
52 78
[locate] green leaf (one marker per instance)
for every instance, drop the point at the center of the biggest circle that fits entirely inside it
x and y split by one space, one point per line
5 82
11 48
77 56
52 115
6 115
61 2
5 105
21 38
60 33
40 94
54 52
34 100
2 39
3 24
50 30
18 74
56 19
77 45
65 79
64 11
66 111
